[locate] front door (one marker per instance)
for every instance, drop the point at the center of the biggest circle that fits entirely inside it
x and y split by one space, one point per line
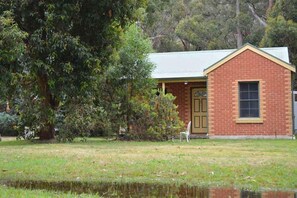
199 110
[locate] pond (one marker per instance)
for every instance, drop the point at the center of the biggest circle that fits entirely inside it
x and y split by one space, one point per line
146 190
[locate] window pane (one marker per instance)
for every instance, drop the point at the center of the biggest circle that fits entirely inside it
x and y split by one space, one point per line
253 86
244 95
243 86
254 113
244 104
254 104
244 113
253 95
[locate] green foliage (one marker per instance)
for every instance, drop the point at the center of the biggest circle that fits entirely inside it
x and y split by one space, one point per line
281 32
78 119
128 79
285 8
11 40
203 24
166 123
160 21
8 123
156 119
282 27
134 64
127 97
12 49
68 45
199 32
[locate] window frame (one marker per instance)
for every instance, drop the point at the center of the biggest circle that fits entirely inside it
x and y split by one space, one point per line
248 99
245 120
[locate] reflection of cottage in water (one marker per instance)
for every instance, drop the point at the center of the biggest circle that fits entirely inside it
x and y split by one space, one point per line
235 193
295 110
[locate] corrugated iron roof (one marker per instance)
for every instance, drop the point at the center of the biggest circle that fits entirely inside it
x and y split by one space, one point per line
191 64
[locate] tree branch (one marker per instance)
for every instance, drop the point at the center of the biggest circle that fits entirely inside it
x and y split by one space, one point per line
270 5
256 16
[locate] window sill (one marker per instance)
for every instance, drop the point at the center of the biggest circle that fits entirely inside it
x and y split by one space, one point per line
249 120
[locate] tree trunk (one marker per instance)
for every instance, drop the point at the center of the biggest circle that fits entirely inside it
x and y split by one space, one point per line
128 110
49 104
239 34
256 16
7 106
47 132
185 45
270 4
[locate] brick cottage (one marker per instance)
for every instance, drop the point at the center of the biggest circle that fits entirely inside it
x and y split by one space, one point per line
243 93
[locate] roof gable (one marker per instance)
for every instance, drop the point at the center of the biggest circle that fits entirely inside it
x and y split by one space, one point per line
253 49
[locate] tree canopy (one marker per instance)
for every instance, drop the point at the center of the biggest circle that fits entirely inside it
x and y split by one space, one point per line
68 44
128 80
205 24
12 49
282 27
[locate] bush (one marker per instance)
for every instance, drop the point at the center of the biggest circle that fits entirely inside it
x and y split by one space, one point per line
156 119
7 124
78 120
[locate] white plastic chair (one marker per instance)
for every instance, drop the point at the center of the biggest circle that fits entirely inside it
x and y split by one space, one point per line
28 134
186 133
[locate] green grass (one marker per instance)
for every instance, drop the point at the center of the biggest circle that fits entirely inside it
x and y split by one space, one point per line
241 163
24 193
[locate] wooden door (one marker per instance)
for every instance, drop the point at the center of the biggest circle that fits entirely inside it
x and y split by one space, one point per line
199 110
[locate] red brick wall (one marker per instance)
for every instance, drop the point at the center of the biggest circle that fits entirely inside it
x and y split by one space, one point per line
182 92
276 97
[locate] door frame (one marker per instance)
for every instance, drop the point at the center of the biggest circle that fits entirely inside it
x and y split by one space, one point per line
191 109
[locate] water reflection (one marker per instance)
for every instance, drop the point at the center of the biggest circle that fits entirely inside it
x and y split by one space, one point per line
147 190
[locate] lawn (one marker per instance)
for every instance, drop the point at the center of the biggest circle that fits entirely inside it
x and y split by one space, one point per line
252 164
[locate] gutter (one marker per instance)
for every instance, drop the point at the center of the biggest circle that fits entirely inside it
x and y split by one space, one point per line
187 79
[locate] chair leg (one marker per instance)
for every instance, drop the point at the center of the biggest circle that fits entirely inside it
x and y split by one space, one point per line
187 138
180 137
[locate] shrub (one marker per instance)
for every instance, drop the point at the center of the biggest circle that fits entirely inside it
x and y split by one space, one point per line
78 121
7 124
156 119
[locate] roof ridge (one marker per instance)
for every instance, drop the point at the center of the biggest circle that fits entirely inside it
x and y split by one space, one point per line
189 52
213 51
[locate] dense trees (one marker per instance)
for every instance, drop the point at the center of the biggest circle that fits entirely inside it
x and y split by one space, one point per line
68 44
127 81
205 24
12 49
282 27
79 65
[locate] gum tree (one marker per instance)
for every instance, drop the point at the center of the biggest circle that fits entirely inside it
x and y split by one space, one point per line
12 49
68 45
281 28
128 81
